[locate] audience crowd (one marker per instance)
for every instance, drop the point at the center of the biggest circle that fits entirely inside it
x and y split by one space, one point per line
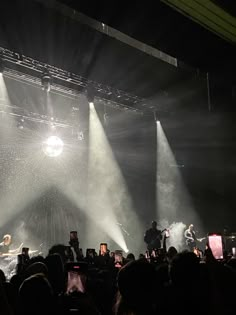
65 282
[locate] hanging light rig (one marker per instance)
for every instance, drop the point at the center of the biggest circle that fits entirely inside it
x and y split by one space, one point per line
1 65
46 80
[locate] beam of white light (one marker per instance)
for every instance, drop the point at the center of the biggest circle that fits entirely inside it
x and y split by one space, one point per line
173 200
22 165
8 120
3 90
106 200
17 190
26 176
25 171
30 176
108 197
23 234
18 197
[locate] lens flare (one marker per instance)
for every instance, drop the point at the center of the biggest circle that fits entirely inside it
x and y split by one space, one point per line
53 146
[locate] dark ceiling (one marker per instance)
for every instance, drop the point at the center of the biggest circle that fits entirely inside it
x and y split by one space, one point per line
160 26
33 29
227 5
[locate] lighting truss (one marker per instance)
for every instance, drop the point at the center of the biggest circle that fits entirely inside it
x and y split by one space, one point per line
26 68
18 112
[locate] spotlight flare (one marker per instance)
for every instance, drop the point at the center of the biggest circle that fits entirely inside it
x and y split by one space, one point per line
53 146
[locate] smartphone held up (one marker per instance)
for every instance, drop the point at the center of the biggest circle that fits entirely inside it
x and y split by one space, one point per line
215 243
76 277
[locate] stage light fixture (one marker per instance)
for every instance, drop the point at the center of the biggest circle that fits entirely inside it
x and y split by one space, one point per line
1 66
53 126
19 57
90 93
20 123
53 146
46 80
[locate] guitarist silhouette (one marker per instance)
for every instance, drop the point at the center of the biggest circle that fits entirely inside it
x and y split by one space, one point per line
191 239
153 237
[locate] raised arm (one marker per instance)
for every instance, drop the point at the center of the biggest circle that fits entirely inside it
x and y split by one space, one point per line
17 250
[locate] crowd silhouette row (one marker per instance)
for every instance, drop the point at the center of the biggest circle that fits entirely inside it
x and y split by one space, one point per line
65 282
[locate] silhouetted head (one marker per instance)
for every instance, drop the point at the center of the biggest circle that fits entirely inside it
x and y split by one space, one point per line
7 239
191 227
141 256
55 272
184 268
2 276
59 249
36 268
36 294
172 251
137 283
154 225
226 230
130 257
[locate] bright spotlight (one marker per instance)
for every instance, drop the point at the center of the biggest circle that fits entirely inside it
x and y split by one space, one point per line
53 146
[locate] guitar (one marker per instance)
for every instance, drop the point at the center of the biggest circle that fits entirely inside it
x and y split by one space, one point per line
8 254
192 241
12 252
152 243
